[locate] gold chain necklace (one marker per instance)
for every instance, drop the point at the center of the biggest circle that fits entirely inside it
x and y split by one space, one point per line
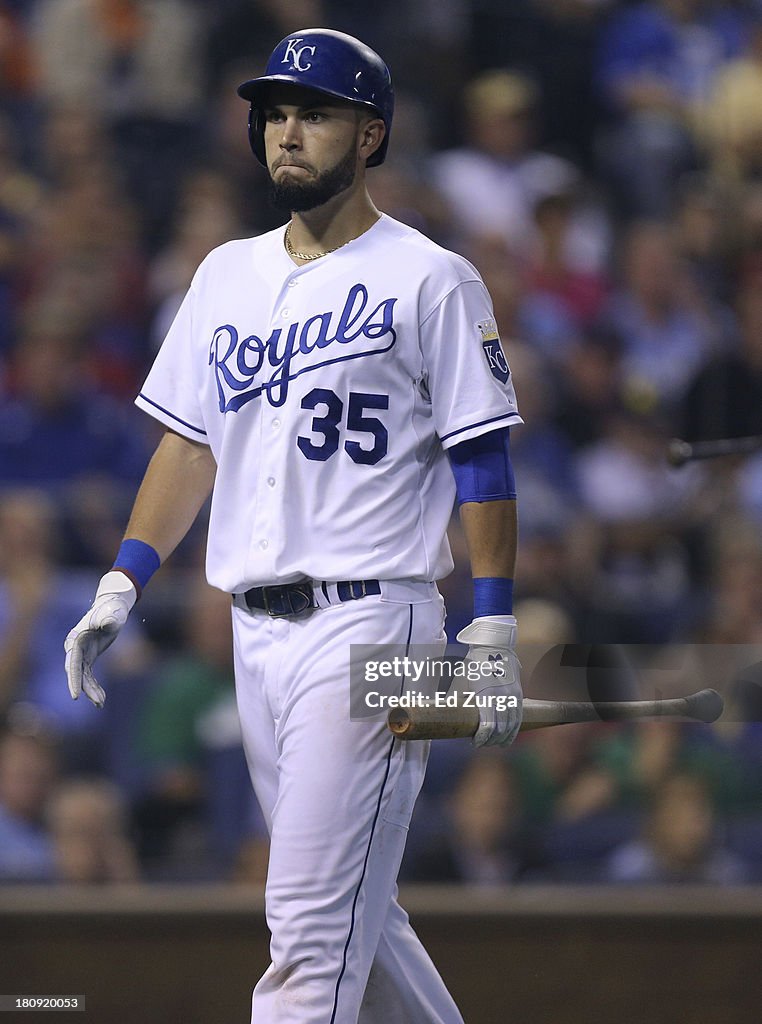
308 255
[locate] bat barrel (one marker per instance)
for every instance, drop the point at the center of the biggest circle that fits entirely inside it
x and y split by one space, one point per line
704 706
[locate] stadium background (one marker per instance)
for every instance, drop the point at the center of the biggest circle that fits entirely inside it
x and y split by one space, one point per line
601 164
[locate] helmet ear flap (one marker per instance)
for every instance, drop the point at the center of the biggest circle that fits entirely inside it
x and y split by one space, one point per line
257 133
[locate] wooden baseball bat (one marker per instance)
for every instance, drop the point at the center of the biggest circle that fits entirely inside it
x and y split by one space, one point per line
433 723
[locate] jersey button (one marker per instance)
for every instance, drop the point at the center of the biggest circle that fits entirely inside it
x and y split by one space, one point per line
271 481
292 284
264 544
276 424
285 313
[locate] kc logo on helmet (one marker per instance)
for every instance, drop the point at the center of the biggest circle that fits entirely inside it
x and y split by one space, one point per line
294 53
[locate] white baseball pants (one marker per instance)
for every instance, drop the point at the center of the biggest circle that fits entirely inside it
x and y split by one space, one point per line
337 796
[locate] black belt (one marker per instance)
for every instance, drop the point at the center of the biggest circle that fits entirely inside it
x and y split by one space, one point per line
294 598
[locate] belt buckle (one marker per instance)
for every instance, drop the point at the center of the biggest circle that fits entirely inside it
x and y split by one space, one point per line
290 599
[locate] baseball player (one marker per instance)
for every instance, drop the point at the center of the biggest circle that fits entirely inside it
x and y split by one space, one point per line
333 384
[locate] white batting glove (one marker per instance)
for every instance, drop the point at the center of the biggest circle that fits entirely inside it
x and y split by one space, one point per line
492 641
95 631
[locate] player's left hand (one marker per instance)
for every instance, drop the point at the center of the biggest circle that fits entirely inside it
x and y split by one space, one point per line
95 631
492 642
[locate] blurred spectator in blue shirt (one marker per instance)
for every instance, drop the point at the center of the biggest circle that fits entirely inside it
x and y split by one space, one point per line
55 430
541 453
657 63
667 328
680 841
638 573
28 771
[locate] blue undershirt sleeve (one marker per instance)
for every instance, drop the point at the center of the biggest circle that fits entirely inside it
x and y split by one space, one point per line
482 467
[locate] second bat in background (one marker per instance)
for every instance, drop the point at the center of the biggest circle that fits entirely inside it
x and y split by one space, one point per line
679 452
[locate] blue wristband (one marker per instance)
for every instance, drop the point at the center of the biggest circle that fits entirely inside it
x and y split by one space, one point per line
493 595
138 560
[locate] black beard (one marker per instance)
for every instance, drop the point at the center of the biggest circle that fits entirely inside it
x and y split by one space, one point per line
298 196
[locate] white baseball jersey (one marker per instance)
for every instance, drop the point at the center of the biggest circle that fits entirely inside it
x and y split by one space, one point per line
328 394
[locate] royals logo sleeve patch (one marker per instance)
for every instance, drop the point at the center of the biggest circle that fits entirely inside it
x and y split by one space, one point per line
493 350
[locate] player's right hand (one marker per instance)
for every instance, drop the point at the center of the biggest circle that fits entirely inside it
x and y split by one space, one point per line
95 631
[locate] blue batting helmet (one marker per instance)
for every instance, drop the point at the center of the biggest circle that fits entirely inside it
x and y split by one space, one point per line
329 62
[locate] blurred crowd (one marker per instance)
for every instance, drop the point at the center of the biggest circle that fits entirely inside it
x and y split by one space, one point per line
600 162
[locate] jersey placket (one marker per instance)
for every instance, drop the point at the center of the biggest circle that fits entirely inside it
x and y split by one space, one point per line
267 528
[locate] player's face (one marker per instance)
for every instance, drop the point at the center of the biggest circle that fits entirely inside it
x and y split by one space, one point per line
312 148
